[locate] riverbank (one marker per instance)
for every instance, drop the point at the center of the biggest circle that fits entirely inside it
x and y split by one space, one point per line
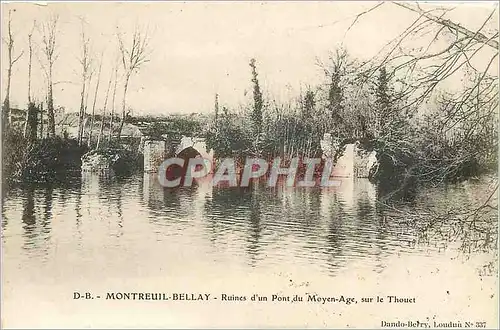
53 159
40 160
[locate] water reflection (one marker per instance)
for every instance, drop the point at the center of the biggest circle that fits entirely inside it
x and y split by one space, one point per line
48 196
103 198
309 224
255 229
322 229
29 218
36 204
169 203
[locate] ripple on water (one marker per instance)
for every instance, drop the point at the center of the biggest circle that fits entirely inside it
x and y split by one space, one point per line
104 227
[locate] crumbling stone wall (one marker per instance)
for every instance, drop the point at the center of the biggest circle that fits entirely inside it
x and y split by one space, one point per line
154 154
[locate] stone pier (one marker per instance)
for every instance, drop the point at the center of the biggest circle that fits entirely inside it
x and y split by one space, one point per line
154 154
354 162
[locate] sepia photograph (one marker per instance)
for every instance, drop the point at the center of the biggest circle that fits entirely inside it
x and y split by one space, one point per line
249 164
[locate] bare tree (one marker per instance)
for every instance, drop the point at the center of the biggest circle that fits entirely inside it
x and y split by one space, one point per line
216 107
11 61
421 70
448 51
132 58
460 133
30 61
101 130
87 93
478 36
95 99
85 63
41 120
434 67
113 104
48 33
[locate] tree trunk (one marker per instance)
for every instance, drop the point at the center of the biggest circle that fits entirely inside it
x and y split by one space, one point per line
31 122
26 122
50 109
113 105
29 67
122 121
93 104
82 109
101 130
6 103
85 119
41 120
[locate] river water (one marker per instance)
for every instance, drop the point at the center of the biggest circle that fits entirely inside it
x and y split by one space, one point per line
100 235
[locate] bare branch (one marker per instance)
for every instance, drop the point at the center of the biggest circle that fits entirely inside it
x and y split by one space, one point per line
11 61
18 57
361 14
457 27
48 31
132 58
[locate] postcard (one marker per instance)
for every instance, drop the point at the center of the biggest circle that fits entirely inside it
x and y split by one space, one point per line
244 164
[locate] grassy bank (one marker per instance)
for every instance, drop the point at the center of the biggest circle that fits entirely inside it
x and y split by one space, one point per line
41 160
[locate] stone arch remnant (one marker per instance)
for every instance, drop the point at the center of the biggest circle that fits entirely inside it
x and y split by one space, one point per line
196 144
354 161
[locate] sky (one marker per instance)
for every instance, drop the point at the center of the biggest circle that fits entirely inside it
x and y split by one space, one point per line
198 49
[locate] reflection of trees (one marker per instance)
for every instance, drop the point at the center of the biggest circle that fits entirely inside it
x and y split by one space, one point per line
296 206
336 235
78 211
47 213
227 205
32 232
236 207
255 228
180 201
102 191
334 225
275 213
351 225
315 202
175 202
474 225
116 186
371 225
29 218
119 209
225 201
354 231
171 199
66 190
299 213
460 217
156 197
